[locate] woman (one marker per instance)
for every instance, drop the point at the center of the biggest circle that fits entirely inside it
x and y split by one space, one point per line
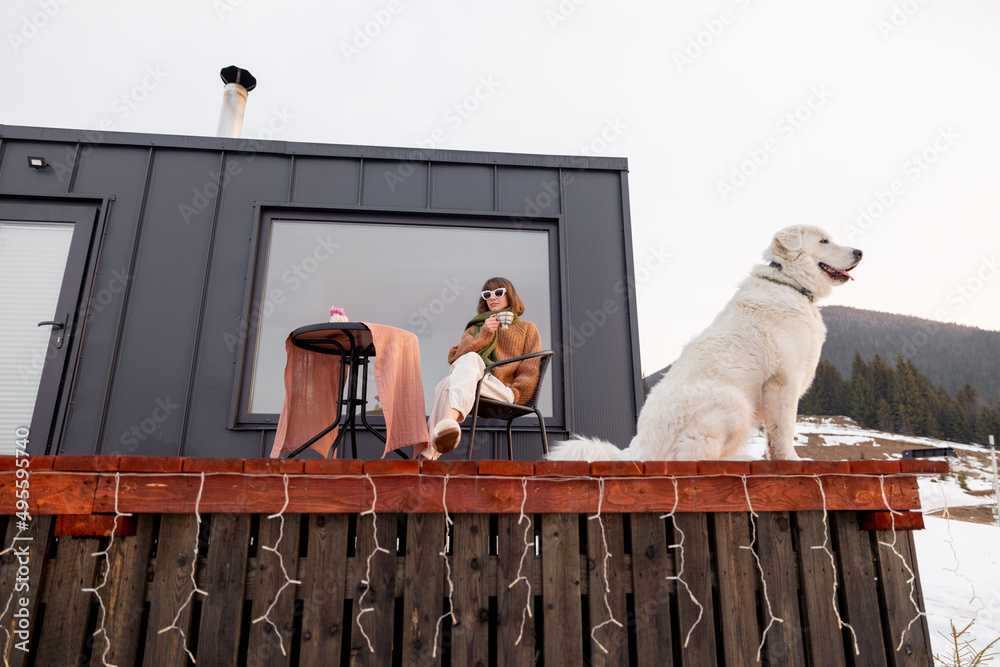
483 343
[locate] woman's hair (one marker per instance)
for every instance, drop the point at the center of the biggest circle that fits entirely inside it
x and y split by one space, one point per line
512 298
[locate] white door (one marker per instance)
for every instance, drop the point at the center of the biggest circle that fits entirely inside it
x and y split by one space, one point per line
32 263
42 259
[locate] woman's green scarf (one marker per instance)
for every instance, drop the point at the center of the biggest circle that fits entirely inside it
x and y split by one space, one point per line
488 353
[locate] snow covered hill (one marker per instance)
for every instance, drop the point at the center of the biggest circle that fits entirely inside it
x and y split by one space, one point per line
958 553
959 565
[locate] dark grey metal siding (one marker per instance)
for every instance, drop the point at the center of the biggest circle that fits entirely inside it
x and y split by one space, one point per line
16 176
123 171
395 184
263 178
463 187
157 345
330 181
602 316
529 193
168 278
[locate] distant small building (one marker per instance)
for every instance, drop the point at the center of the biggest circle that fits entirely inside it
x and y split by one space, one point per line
170 269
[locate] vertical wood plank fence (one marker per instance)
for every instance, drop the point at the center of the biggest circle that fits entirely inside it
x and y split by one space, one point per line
261 562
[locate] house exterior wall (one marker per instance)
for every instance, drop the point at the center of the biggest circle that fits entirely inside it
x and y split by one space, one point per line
170 263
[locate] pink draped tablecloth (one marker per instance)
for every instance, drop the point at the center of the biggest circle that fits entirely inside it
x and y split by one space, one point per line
311 391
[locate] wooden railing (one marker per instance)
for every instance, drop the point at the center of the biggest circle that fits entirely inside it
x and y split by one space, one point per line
489 562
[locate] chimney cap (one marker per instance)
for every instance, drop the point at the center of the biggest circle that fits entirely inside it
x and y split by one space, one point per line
234 74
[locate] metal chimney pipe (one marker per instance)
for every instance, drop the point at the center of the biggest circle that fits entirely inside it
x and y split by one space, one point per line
238 82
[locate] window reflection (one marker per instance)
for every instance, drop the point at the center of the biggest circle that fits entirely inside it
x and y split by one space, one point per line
421 278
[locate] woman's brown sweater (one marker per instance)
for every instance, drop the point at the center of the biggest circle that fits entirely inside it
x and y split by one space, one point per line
520 338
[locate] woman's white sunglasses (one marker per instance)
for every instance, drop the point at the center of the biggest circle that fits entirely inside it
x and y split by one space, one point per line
498 293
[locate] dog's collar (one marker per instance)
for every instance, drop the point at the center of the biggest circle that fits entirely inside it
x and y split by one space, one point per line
801 290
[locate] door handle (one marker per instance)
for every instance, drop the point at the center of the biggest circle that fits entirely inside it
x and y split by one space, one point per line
59 326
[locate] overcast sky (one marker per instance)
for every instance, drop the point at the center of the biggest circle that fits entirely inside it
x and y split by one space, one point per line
878 120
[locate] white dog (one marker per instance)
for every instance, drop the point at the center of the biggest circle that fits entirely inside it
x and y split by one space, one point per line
750 366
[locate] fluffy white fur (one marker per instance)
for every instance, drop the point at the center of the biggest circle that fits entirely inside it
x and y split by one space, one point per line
749 367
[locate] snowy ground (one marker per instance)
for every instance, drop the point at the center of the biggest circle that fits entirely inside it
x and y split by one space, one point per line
958 561
959 566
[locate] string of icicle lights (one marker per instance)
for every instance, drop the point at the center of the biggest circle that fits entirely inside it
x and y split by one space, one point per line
523 518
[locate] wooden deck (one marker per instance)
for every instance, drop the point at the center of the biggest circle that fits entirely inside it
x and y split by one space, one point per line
658 563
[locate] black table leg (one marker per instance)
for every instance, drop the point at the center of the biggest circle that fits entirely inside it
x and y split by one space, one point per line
358 360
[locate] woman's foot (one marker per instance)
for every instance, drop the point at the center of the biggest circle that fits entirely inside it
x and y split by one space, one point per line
446 435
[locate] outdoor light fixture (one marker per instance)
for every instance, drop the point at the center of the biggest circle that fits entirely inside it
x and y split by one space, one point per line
37 162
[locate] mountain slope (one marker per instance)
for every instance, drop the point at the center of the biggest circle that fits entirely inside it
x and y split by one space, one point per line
950 355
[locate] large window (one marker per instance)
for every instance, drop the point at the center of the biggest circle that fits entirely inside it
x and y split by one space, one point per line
420 275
